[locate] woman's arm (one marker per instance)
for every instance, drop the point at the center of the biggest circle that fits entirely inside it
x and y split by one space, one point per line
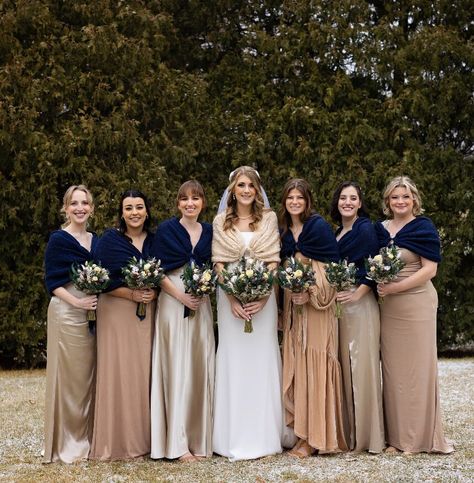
190 301
424 274
86 303
145 295
348 296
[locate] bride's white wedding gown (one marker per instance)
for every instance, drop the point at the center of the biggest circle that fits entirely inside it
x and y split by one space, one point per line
248 410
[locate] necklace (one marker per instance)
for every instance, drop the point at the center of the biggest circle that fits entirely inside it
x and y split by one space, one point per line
244 217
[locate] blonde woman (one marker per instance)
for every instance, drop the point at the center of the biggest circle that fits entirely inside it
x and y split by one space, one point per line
70 367
248 417
408 326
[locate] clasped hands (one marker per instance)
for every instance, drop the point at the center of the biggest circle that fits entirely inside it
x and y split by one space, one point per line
144 295
248 310
191 301
87 303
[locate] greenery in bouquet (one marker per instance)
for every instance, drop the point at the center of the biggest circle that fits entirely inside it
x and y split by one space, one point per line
247 281
92 279
296 276
198 280
342 276
140 274
385 266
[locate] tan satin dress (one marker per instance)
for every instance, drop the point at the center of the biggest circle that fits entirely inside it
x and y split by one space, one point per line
70 374
312 381
122 408
359 354
182 378
413 420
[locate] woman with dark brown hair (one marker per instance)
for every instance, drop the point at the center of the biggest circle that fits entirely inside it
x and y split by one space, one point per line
124 341
359 324
312 385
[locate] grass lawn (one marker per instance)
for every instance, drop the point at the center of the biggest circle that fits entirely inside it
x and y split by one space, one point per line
21 426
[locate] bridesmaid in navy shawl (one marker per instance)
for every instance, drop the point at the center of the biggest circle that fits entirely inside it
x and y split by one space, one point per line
312 391
359 325
183 349
70 366
122 410
413 420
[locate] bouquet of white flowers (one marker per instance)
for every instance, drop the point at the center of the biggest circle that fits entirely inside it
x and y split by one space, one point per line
249 280
340 275
198 281
385 266
296 276
90 278
138 274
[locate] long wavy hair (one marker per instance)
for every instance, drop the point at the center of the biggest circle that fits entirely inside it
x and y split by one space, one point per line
402 182
122 226
231 216
361 212
67 198
284 218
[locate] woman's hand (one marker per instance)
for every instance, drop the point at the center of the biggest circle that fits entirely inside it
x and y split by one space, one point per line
347 296
384 289
86 303
190 301
237 308
144 295
256 306
300 298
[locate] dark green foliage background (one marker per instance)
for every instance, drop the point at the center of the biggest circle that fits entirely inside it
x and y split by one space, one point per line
150 93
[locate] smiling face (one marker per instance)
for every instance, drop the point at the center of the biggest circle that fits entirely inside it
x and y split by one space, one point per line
295 203
190 205
349 203
244 191
401 202
134 212
79 208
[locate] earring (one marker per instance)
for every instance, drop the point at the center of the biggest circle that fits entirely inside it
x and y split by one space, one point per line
233 197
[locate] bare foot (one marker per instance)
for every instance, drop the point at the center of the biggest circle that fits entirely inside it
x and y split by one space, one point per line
187 458
391 450
302 451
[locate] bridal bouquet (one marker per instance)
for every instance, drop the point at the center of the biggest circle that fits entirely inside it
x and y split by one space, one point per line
90 278
198 281
248 281
138 274
385 266
296 277
340 275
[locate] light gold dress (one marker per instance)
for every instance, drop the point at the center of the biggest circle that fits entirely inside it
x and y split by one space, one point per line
182 390
312 381
359 353
70 376
413 420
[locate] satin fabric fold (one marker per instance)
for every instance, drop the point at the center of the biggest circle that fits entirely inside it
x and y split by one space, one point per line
70 377
413 418
182 390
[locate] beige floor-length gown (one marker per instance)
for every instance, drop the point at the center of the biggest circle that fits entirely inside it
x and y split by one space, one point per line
70 376
413 420
122 408
359 354
183 378
312 381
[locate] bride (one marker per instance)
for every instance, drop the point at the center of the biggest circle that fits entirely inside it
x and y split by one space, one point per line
248 417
